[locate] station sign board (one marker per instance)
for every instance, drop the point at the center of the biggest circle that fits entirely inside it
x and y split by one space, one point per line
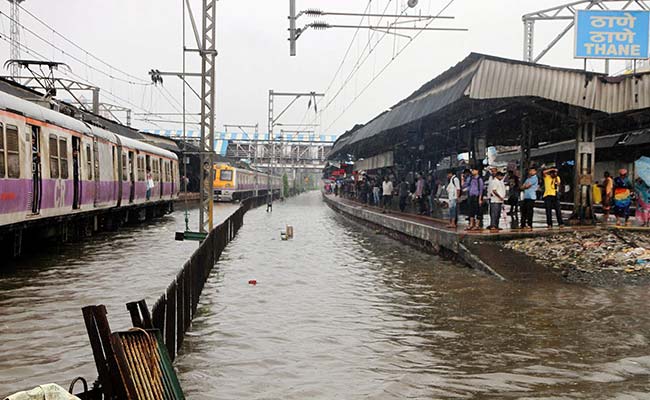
612 34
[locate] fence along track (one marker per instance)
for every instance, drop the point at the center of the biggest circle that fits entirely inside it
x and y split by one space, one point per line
172 313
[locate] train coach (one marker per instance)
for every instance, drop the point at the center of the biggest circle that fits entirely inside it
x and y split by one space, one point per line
236 184
53 166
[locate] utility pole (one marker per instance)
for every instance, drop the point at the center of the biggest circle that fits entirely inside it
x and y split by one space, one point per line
208 55
14 35
273 119
206 47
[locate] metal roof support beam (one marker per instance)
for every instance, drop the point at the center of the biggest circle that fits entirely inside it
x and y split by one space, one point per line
585 165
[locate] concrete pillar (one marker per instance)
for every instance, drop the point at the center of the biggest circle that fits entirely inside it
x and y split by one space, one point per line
585 165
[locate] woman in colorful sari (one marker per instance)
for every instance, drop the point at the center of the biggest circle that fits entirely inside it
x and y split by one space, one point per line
642 202
622 197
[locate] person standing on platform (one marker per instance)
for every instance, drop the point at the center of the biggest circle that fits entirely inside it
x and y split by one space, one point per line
419 194
475 187
453 193
387 189
403 192
269 202
513 194
642 202
622 197
530 186
430 188
608 196
497 194
376 188
551 197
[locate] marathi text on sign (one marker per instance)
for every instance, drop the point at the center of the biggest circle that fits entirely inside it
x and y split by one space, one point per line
612 34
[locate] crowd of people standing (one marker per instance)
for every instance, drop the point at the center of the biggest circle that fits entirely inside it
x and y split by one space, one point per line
488 192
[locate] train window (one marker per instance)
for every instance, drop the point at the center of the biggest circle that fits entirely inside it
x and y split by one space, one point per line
89 162
140 168
125 175
2 152
156 172
225 175
63 156
13 152
54 157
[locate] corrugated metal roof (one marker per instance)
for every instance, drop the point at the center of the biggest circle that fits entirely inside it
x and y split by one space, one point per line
482 78
499 79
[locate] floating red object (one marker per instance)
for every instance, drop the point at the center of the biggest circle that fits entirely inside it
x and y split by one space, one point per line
252 282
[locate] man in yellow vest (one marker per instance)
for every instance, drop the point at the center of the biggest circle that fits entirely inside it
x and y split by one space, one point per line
551 197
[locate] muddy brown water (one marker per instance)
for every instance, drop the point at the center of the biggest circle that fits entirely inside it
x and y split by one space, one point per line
339 312
42 334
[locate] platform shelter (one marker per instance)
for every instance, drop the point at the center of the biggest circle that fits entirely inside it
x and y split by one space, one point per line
490 101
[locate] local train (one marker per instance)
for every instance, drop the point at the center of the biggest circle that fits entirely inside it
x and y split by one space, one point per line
236 184
53 165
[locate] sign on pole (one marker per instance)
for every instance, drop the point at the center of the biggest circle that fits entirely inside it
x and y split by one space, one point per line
612 34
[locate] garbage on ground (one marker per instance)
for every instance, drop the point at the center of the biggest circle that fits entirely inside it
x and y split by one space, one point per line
589 252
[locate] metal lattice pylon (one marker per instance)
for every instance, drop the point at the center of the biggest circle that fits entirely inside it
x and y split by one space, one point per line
208 55
567 12
14 35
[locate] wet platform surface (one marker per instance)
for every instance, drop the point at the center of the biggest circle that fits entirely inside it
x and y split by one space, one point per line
507 231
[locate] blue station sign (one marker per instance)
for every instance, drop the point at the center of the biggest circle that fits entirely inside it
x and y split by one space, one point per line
612 34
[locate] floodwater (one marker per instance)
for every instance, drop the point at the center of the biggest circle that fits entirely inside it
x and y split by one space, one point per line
339 312
42 333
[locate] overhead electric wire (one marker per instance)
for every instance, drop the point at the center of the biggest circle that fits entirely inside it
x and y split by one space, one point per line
348 78
356 32
106 92
346 108
361 62
73 56
79 47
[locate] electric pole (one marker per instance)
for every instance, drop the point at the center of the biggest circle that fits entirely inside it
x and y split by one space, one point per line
14 35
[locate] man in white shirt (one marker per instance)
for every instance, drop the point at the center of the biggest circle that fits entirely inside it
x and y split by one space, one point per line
453 189
497 195
387 193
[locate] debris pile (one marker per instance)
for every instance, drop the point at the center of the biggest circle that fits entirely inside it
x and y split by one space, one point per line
622 254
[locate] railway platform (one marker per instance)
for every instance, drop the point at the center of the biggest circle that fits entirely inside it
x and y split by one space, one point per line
480 249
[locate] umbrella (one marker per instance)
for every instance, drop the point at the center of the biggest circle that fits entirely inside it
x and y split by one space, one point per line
642 166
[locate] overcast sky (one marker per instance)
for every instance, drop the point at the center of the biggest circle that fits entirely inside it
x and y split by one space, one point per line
137 35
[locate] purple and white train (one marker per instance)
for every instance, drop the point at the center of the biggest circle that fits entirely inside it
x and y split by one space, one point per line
53 165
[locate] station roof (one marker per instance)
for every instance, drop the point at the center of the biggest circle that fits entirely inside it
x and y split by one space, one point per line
491 95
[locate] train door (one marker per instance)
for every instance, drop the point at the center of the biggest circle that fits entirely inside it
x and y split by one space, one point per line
76 178
171 176
95 166
37 178
161 175
131 176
